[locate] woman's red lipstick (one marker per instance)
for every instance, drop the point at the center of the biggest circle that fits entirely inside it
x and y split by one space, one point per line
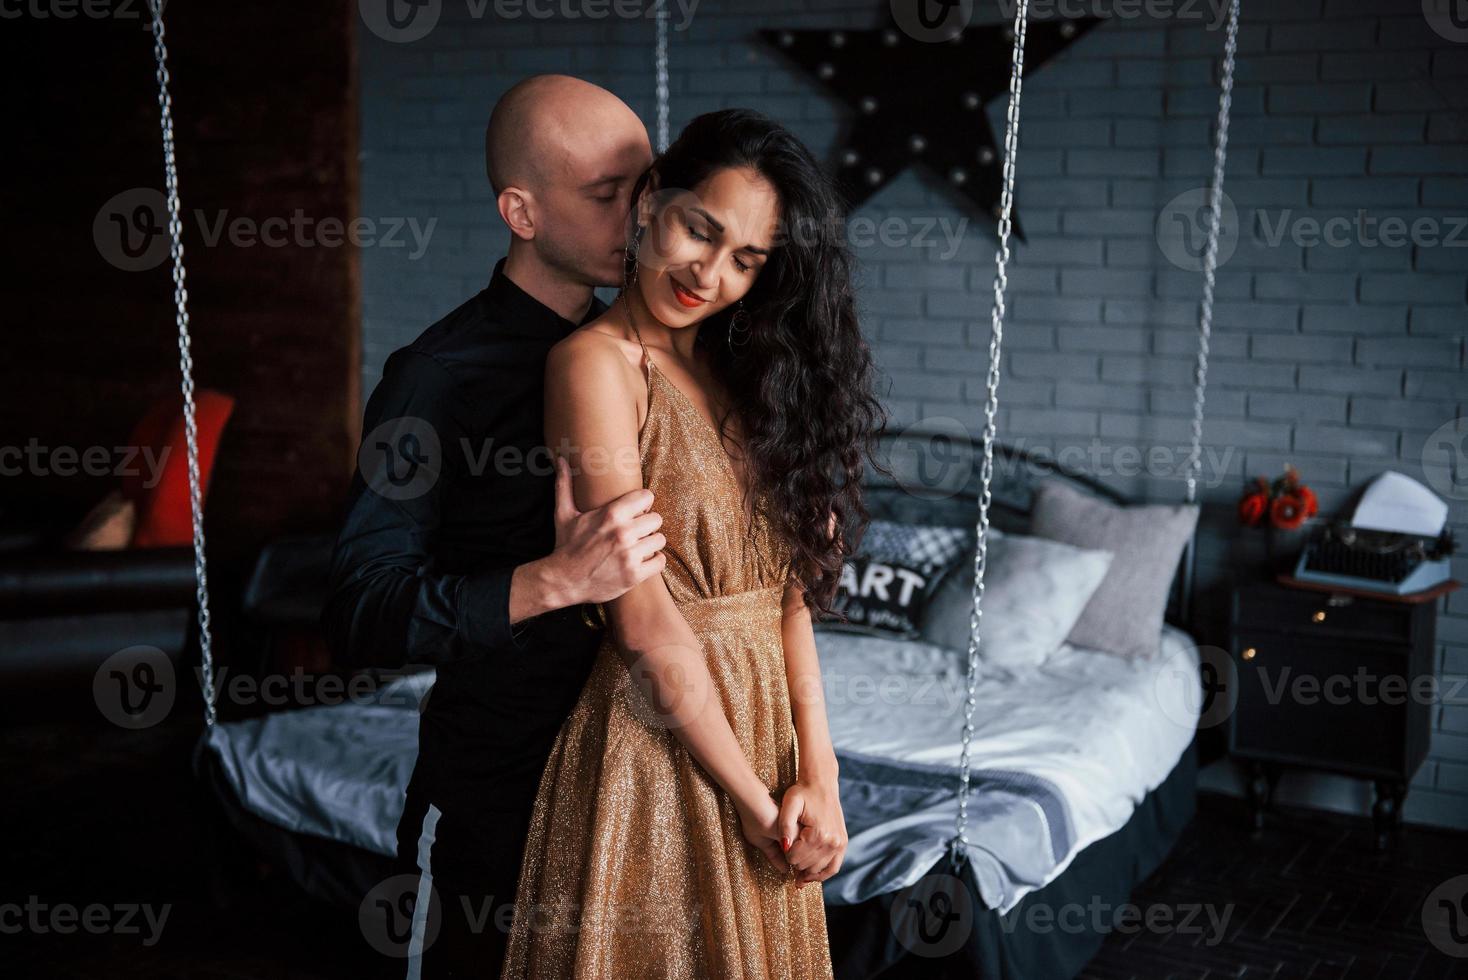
687 299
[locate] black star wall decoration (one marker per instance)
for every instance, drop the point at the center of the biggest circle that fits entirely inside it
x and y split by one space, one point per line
923 102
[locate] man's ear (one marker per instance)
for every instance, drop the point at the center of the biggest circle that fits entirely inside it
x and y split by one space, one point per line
517 209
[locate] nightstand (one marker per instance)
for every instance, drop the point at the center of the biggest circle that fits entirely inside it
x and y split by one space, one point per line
1333 681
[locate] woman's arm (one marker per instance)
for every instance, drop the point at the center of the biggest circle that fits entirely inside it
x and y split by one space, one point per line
810 812
591 417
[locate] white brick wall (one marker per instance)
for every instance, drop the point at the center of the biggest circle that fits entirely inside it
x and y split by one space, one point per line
1341 360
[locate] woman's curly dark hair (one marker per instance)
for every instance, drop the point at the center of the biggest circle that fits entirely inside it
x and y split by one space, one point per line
803 382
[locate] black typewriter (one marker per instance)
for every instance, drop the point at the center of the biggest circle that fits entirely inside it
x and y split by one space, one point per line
1397 542
1376 561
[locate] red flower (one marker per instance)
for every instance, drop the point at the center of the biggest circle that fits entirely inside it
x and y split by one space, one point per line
1251 509
1287 512
1307 497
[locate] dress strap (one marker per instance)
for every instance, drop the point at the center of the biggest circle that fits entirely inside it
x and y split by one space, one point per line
646 354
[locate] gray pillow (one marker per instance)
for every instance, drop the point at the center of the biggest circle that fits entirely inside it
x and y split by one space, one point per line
1124 616
1034 591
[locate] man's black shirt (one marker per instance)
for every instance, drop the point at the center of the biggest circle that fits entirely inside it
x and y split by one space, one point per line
458 490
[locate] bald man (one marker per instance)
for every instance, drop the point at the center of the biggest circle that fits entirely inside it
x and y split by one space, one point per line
461 546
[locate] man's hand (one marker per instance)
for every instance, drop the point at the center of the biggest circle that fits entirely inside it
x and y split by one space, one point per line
602 553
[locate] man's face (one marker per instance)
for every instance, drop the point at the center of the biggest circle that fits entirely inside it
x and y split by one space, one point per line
581 227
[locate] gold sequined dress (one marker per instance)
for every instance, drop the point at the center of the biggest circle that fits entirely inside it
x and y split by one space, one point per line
635 865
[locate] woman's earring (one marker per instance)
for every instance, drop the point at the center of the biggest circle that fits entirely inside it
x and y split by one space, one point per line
632 253
739 325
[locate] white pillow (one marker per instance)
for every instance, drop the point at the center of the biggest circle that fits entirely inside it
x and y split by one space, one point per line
1034 591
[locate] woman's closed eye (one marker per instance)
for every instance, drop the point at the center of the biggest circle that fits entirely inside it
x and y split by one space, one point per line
697 235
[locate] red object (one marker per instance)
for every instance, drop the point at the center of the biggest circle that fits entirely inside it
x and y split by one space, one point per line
1285 503
1251 509
158 481
1287 512
1307 497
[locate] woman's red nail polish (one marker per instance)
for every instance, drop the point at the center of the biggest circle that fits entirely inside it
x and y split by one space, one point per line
785 843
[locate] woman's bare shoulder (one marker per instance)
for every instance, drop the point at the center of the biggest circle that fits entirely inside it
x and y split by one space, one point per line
592 366
595 346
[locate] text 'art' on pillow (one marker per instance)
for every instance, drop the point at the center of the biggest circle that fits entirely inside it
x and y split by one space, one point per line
888 584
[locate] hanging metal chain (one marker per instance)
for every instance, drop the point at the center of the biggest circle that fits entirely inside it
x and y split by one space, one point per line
960 841
661 69
185 361
1210 252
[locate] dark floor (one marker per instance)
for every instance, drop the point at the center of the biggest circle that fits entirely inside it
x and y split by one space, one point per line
111 820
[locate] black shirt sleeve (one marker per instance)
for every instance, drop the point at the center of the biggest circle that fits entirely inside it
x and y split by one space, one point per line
388 604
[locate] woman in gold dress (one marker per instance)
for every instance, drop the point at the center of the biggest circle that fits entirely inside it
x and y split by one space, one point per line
689 810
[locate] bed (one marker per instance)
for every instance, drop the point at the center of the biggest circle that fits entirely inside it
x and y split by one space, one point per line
1083 770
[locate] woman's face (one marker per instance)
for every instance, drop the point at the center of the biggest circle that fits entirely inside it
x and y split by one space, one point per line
704 247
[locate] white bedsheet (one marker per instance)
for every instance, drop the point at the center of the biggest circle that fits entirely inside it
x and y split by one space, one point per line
1104 730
